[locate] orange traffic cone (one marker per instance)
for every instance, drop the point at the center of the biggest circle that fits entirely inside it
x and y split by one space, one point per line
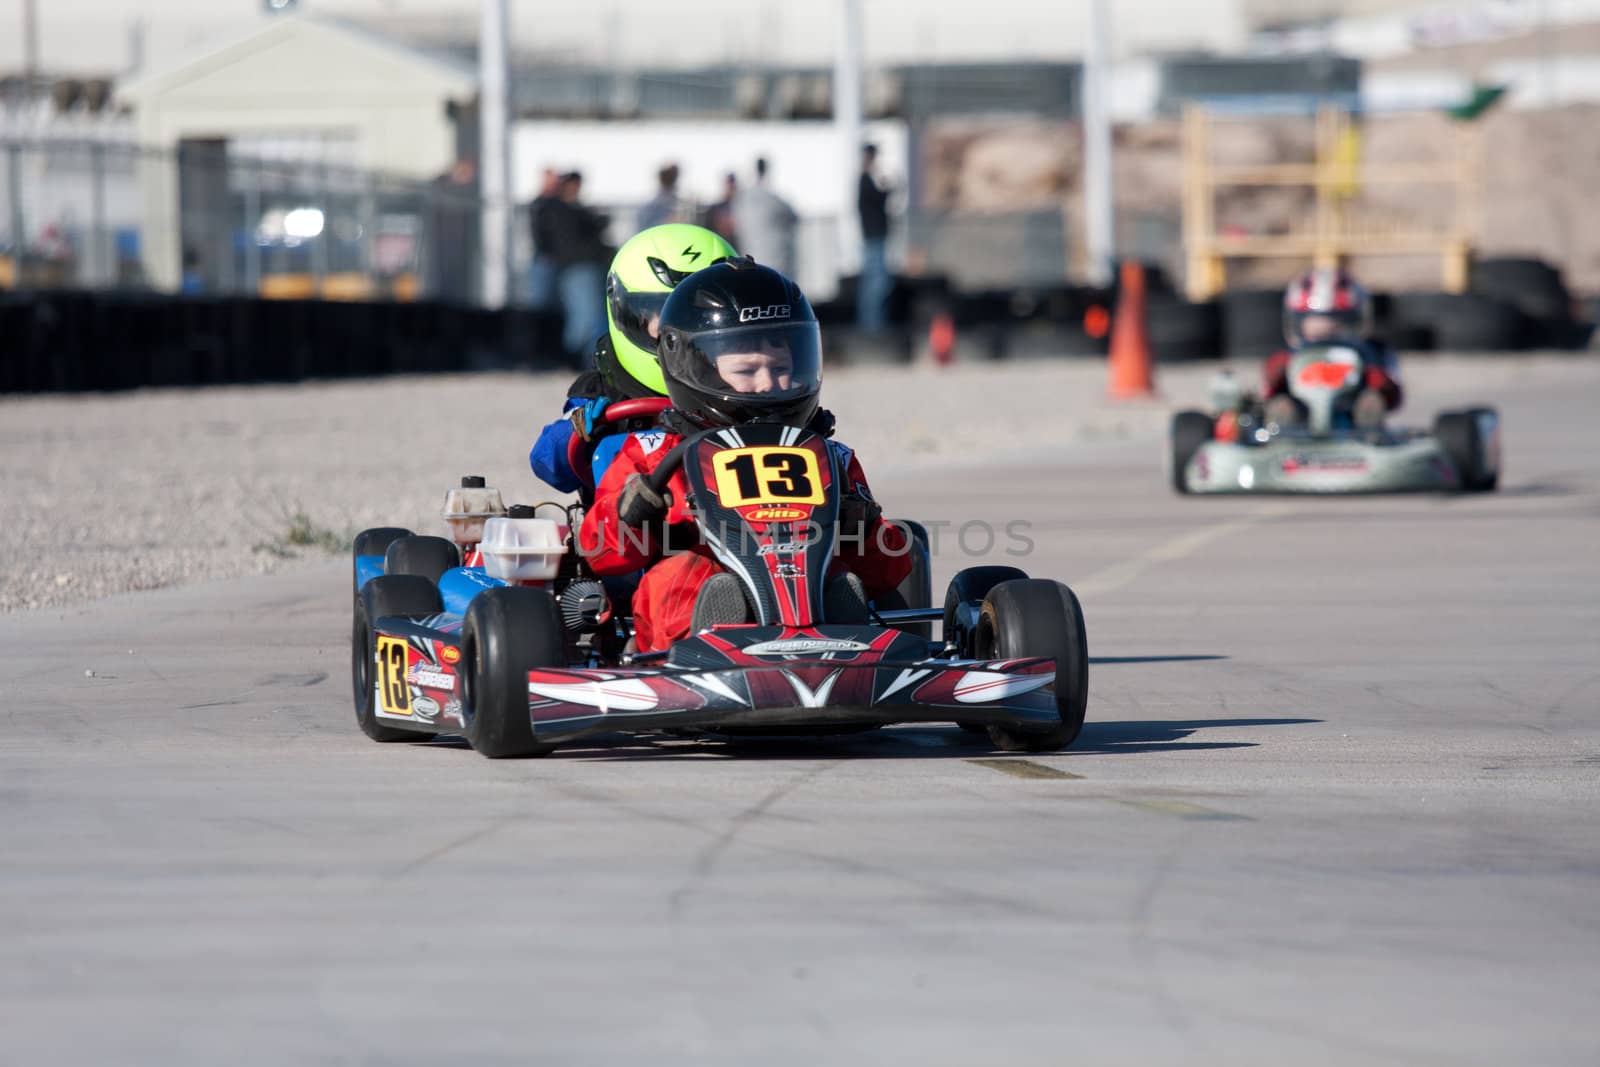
1132 376
942 338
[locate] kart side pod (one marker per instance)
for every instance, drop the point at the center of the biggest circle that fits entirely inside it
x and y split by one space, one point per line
523 550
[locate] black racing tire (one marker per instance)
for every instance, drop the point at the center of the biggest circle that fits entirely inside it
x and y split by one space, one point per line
1252 322
971 585
508 632
1180 331
1463 322
1533 286
1038 617
1491 479
426 557
374 542
397 594
916 588
1190 430
1458 435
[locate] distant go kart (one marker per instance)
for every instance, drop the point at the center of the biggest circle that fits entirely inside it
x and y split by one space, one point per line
1238 451
524 648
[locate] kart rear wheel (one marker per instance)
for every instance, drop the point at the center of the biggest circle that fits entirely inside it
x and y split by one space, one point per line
970 586
1459 435
399 594
1190 430
1042 618
916 589
374 542
508 632
427 557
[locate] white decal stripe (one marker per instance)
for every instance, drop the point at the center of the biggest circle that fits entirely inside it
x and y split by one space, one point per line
813 698
906 678
712 683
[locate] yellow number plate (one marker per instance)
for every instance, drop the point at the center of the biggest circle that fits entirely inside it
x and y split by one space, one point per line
394 695
747 477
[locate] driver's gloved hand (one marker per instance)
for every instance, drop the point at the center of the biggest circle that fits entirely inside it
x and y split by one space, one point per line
857 512
640 505
585 419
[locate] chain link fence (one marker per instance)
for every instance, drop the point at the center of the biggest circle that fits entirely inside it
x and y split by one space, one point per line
101 214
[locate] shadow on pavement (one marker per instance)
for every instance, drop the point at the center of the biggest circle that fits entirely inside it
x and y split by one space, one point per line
899 742
1110 660
1153 735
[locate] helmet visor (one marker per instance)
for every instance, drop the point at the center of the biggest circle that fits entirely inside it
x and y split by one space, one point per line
1310 327
636 315
760 362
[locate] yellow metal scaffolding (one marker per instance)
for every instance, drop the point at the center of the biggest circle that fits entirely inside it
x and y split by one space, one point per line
1331 234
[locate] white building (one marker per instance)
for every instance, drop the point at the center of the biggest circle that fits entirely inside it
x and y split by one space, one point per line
296 87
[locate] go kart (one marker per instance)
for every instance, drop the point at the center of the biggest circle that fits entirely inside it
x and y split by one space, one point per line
1242 450
504 634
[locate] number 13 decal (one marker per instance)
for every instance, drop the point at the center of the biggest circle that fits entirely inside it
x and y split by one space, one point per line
394 695
751 476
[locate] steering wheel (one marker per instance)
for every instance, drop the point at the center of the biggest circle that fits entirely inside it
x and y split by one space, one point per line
580 452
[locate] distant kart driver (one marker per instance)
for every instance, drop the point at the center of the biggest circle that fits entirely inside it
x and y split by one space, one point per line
1327 306
730 356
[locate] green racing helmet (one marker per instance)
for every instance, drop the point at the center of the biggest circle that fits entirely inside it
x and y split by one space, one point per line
644 272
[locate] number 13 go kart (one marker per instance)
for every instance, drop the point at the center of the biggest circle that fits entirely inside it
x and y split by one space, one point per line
502 633
1241 451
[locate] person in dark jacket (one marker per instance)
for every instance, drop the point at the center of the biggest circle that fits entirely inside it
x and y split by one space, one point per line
576 236
872 203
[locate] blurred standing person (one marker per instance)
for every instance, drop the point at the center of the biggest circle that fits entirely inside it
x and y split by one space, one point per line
580 253
718 218
872 203
665 206
455 234
766 224
542 271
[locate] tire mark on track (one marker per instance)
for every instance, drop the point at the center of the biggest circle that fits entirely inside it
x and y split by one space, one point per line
706 860
450 846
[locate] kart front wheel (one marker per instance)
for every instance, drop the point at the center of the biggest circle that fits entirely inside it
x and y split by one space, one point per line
961 599
1038 618
508 632
1462 437
400 594
1190 430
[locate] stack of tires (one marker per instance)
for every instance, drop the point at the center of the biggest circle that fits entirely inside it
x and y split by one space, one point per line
1510 305
1536 291
1252 322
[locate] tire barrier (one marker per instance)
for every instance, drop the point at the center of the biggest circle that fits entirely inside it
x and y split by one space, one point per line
1252 322
1181 331
75 341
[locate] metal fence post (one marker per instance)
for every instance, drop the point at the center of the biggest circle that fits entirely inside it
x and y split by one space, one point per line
369 231
19 236
99 269
252 219
319 243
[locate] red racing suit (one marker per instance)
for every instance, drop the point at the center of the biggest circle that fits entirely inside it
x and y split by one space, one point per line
663 607
1380 371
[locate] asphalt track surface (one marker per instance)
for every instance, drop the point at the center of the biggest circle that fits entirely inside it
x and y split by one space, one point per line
1336 803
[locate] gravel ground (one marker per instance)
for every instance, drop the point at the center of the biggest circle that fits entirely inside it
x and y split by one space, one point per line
110 493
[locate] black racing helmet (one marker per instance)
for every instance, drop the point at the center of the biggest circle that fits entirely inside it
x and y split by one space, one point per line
740 343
